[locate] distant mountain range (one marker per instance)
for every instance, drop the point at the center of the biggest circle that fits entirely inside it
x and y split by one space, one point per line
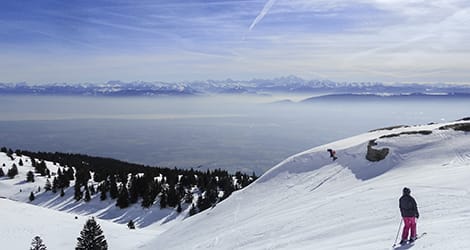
289 84
389 96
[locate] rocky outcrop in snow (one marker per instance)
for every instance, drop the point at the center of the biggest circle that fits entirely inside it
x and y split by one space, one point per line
375 154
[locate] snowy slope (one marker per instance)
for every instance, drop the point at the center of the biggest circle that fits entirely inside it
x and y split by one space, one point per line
310 202
10 188
305 202
18 189
53 217
20 222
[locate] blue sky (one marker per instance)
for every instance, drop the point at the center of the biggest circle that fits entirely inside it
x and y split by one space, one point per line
368 40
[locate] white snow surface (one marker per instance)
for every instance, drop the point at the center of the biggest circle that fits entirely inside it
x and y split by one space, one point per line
20 222
307 201
310 202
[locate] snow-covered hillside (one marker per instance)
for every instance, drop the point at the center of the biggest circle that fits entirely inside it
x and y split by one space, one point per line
311 202
307 201
20 222
18 189
53 217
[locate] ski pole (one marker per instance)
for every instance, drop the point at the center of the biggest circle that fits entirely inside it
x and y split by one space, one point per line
398 232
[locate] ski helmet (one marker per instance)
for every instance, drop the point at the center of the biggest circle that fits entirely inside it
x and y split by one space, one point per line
406 190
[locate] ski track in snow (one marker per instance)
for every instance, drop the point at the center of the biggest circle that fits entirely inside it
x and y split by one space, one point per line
462 156
327 179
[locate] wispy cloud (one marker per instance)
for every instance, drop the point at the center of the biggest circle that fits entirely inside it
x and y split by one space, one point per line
263 13
358 40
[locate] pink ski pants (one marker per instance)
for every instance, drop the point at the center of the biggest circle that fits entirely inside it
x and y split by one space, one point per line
410 225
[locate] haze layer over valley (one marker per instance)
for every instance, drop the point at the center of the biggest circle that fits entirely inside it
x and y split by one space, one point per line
240 132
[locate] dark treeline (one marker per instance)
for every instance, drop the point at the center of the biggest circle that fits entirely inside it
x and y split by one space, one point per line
130 183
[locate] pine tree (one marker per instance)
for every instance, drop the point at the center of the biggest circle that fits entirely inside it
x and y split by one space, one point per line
151 193
212 197
59 172
87 194
227 186
31 196
1 172
163 199
193 210
62 193
60 179
203 202
253 176
123 198
172 198
54 185
131 225
133 189
63 179
91 237
40 167
47 186
20 162
37 244
30 176
188 198
92 189
33 163
178 208
69 173
99 176
113 190
78 192
147 201
103 194
13 171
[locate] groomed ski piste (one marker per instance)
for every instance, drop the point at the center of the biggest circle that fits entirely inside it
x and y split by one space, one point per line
307 201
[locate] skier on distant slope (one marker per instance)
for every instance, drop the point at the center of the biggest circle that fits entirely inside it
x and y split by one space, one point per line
332 154
409 212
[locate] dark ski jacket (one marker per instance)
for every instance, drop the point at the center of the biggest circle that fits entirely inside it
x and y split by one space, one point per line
408 207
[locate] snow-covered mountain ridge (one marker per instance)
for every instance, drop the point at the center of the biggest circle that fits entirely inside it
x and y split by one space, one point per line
389 97
288 84
309 201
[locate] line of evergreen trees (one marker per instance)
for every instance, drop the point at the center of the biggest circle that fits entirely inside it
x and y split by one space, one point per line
130 183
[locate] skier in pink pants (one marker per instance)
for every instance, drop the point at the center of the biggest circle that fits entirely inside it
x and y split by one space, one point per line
409 212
